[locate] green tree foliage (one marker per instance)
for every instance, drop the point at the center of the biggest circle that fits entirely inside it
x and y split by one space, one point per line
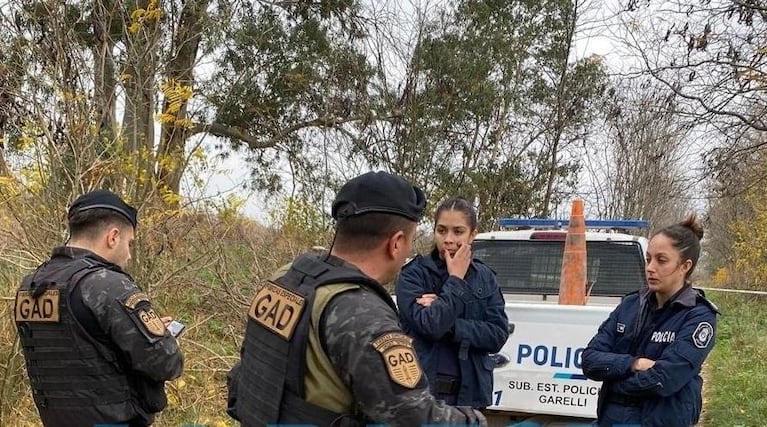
87 82
287 68
71 64
490 102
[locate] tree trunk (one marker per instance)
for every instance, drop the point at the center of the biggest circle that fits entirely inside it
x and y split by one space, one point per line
173 134
4 170
138 118
104 81
559 118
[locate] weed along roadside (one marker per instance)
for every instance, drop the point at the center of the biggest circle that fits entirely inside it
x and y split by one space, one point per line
736 372
202 276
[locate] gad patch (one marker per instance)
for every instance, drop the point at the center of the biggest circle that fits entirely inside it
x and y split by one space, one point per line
44 308
152 322
399 358
277 309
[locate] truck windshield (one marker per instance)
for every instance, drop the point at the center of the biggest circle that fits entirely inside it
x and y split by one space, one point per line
533 266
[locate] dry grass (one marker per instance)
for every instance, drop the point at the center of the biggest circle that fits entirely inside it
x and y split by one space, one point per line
197 267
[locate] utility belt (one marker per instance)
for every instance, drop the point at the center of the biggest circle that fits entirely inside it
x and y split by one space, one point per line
447 385
624 400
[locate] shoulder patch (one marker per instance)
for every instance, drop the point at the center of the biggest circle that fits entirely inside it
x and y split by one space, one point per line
399 357
134 299
703 334
151 321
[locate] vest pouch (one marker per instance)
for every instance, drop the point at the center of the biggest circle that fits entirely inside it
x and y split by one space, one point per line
150 394
232 382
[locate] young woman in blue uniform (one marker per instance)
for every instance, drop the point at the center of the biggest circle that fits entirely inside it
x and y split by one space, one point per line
649 351
451 306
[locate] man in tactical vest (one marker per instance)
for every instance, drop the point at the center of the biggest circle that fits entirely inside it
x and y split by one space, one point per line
323 345
96 352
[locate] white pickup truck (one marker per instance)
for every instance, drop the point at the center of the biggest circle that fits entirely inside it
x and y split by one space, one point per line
538 370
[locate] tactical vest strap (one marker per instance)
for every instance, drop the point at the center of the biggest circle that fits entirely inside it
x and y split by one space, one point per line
70 371
59 354
92 384
310 266
106 396
324 387
302 278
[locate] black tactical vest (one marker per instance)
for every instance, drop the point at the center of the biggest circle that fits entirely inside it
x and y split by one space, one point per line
273 361
75 379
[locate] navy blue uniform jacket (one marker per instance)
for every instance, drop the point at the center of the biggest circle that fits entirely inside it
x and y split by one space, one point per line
679 342
469 313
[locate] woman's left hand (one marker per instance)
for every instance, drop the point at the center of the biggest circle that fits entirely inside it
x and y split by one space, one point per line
642 364
426 299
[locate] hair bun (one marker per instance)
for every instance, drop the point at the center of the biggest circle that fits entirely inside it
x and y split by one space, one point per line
693 223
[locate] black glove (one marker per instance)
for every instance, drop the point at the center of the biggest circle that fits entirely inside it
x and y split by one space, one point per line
473 417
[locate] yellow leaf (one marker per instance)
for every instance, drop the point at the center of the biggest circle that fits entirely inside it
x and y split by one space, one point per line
137 14
134 27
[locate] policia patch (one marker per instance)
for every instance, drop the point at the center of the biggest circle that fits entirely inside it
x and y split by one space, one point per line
399 358
703 334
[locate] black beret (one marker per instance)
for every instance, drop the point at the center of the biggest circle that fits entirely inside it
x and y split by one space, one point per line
103 199
379 192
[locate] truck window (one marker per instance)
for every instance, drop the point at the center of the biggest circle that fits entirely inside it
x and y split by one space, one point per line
614 268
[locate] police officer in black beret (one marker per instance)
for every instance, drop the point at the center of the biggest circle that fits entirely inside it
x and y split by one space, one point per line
96 351
323 345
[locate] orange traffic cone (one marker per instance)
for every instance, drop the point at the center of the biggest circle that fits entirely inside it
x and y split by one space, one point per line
572 284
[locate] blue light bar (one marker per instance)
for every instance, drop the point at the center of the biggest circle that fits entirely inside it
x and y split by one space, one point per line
559 223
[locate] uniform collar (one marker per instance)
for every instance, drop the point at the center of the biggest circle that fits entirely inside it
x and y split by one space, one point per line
686 297
72 252
338 262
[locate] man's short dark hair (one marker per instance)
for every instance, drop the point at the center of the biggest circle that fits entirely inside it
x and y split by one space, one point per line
91 222
367 231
